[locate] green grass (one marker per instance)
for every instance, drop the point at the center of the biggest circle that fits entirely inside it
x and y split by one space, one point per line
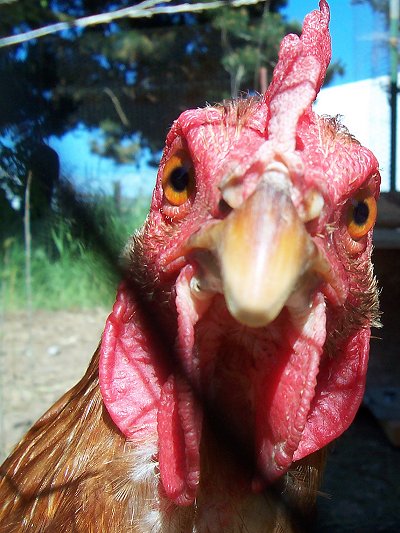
68 268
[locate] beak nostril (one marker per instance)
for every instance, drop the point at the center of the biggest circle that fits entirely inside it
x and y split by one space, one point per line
231 188
223 208
313 205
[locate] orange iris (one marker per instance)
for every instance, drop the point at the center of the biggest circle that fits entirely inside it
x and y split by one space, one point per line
361 215
178 181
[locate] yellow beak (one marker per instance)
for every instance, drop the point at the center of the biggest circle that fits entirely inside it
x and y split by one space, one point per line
261 251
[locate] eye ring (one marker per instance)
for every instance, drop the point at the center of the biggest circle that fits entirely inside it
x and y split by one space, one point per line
178 178
361 215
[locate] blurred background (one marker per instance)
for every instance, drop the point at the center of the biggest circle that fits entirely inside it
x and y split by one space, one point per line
88 90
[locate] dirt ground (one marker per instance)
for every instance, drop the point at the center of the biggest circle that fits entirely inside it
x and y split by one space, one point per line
39 363
361 492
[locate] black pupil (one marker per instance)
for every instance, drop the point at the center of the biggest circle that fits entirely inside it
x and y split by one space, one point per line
179 178
361 213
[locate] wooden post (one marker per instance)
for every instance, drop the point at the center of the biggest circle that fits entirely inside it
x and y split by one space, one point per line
394 59
263 80
117 196
28 257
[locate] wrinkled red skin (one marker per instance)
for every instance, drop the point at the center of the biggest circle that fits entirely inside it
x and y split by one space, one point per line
286 391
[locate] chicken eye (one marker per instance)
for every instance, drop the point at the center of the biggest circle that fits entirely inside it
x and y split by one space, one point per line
178 178
361 215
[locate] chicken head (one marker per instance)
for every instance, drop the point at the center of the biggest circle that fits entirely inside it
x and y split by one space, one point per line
249 293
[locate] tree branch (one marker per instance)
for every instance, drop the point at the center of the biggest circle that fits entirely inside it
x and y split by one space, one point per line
145 9
117 106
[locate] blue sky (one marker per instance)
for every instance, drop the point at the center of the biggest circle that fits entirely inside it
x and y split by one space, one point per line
354 32
356 37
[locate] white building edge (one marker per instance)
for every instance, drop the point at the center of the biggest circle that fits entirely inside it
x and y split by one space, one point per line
365 110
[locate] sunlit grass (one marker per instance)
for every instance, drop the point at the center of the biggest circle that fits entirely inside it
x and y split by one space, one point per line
68 268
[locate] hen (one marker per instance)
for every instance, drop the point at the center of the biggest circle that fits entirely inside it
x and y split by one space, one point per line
237 347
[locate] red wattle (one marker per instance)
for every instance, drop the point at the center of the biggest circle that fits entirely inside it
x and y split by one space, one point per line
178 426
285 394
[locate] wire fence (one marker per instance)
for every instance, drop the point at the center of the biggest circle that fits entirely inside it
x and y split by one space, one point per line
153 116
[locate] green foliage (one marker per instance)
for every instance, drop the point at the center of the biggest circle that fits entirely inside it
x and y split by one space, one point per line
130 77
248 44
115 144
67 269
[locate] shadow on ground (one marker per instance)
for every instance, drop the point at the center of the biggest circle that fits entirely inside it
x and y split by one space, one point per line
362 482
